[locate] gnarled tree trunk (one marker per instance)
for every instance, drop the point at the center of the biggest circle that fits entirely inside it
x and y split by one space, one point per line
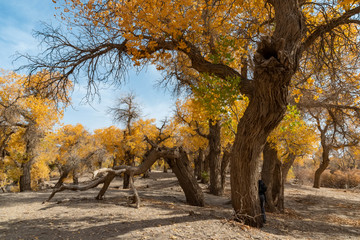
276 61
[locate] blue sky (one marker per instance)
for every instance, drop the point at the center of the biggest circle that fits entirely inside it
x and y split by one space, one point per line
18 18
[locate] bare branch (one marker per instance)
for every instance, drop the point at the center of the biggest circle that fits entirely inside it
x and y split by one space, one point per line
330 26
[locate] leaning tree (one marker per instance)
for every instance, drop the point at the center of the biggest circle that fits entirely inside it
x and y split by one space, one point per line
202 40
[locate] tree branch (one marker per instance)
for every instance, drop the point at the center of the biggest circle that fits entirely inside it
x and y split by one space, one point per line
328 27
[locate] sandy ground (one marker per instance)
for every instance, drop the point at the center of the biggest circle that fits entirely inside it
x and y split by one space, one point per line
310 214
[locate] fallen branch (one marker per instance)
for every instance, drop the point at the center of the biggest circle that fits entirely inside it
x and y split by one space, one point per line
94 183
176 157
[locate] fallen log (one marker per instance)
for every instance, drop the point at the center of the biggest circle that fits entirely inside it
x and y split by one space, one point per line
176 157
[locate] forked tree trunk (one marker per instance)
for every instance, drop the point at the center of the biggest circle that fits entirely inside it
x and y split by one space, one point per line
214 138
267 174
323 165
25 178
108 178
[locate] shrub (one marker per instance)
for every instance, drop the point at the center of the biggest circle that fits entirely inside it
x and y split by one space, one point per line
340 179
303 175
205 177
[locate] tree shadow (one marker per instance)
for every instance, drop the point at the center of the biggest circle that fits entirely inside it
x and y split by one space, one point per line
87 227
316 215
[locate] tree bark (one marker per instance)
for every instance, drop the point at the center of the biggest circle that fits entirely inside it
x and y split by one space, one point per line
214 138
267 174
323 165
25 178
181 167
275 62
273 175
264 112
178 159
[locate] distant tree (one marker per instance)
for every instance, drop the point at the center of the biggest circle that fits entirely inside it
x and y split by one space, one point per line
202 41
126 111
25 117
292 139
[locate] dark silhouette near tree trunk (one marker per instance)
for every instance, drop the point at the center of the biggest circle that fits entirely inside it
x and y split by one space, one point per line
275 62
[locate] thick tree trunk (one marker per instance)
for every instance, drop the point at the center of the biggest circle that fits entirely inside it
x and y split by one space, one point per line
265 110
276 61
267 174
25 178
214 138
323 165
181 167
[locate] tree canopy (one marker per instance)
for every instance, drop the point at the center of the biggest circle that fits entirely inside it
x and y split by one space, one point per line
254 48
